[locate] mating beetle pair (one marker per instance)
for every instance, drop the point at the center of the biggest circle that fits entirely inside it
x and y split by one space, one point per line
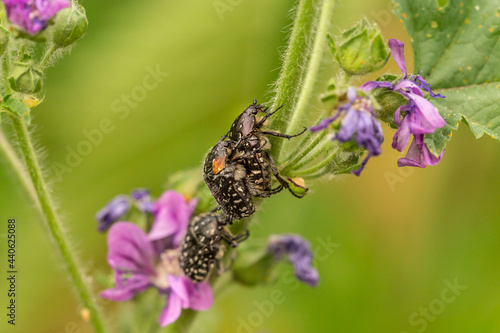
240 167
237 169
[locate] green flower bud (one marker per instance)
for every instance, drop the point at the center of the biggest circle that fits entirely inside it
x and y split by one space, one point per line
4 39
25 77
361 49
253 265
71 24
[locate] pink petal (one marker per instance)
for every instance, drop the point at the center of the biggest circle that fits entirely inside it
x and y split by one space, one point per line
129 249
171 311
429 115
398 53
129 289
179 287
201 296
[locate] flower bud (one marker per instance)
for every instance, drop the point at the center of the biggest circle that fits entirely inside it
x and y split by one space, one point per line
25 78
4 39
71 24
361 49
298 186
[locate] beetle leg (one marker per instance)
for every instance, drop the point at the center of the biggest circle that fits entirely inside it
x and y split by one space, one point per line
263 120
283 182
234 240
286 136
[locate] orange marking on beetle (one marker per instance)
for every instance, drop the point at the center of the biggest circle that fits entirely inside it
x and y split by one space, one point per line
218 164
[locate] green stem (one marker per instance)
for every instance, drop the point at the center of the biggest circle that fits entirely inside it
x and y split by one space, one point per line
291 76
313 153
318 166
6 72
308 92
306 151
46 57
17 166
44 200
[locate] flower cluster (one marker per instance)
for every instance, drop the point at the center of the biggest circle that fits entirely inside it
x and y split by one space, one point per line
143 261
417 118
358 123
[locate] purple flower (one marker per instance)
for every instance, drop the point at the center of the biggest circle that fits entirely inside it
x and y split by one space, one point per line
139 264
418 154
172 213
33 15
142 200
113 211
358 124
299 254
417 118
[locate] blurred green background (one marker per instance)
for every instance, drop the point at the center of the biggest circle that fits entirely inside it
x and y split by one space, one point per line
399 233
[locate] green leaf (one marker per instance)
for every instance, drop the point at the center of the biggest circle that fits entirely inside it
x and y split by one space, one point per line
16 107
436 141
457 50
478 105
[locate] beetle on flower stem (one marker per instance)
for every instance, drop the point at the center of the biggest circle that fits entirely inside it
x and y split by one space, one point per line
240 167
201 245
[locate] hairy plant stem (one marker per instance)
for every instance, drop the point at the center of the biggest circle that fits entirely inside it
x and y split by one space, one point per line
307 150
6 72
318 166
61 243
313 153
17 166
295 62
46 57
308 93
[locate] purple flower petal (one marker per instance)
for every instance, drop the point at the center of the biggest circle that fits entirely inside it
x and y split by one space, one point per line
398 53
129 250
172 214
418 154
407 86
128 289
348 126
323 124
179 287
425 86
113 211
370 85
201 296
402 136
428 114
33 16
171 311
299 254
429 158
143 200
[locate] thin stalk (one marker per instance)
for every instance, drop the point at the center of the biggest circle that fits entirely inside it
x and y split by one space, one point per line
313 153
295 61
17 166
306 151
308 93
46 57
6 71
61 242
318 166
